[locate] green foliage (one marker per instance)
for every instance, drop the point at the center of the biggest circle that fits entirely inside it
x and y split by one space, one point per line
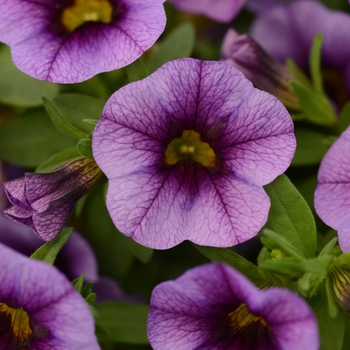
136 71
31 139
57 159
19 89
315 63
124 322
84 147
140 252
178 44
344 118
291 217
48 251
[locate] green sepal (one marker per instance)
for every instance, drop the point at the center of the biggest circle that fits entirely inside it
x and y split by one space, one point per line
136 71
84 147
57 159
290 216
287 266
178 44
298 73
91 122
327 249
315 63
333 307
48 251
124 322
343 260
316 107
78 283
233 259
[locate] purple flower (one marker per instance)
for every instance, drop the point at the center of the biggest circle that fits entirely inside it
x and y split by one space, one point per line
219 10
44 201
187 151
215 307
267 74
68 42
288 30
39 308
332 196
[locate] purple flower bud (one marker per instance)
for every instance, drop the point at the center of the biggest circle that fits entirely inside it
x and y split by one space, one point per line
44 201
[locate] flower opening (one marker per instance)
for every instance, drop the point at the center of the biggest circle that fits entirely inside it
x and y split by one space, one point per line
190 146
83 11
341 286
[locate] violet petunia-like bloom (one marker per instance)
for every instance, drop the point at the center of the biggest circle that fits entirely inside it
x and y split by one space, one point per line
332 196
39 307
68 41
187 151
44 201
219 10
215 307
288 30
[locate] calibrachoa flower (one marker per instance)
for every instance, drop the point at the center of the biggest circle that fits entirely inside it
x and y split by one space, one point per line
39 308
267 74
215 307
332 196
219 10
187 151
44 201
67 41
288 30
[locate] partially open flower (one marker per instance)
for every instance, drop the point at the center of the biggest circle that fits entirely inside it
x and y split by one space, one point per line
68 41
215 307
187 151
44 201
39 308
267 74
332 195
341 286
219 10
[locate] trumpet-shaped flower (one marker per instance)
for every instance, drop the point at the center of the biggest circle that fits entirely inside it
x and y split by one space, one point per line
44 201
39 308
215 307
68 41
332 195
219 10
187 151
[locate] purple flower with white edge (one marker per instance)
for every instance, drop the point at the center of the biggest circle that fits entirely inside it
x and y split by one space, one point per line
67 41
44 201
219 10
267 74
288 30
187 151
39 307
215 307
332 195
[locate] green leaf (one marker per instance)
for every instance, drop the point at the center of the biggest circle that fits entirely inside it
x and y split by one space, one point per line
124 322
287 266
331 329
237 261
142 253
298 73
316 107
59 120
136 71
311 146
178 44
101 333
327 249
31 139
57 159
84 147
78 283
344 118
315 63
290 216
19 89
48 252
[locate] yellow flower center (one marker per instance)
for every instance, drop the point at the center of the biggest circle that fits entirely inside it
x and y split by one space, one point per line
242 318
86 11
189 146
19 321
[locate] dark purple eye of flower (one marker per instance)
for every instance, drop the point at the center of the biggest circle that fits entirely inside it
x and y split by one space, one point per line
82 11
15 327
190 146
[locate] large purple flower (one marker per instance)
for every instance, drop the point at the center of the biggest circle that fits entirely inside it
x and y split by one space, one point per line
215 307
187 151
332 196
44 201
39 308
220 10
288 30
68 41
